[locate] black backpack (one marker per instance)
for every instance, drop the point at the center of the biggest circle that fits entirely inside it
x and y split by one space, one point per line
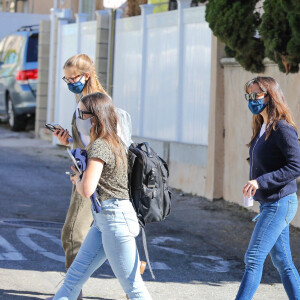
148 187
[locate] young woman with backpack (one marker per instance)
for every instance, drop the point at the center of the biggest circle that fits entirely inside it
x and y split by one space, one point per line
274 166
81 78
112 235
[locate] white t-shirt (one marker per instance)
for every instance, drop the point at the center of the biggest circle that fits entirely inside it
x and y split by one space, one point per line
124 128
263 129
85 139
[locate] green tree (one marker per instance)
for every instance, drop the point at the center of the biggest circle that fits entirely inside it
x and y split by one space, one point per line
235 23
249 36
292 8
160 5
276 33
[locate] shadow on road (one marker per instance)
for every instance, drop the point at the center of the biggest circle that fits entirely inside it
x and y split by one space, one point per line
25 295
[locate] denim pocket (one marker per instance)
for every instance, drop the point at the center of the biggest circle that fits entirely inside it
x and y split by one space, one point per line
292 209
132 223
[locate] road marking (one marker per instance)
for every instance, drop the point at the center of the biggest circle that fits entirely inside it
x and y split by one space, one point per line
219 265
162 239
24 235
157 265
212 264
11 252
209 263
172 250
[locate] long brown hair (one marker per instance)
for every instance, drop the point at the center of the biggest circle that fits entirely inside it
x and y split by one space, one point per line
277 107
105 123
84 64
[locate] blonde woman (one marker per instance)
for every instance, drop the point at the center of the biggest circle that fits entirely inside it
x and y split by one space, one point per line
81 78
115 227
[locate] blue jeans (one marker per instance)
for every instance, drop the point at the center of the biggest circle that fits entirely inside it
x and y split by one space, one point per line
111 237
271 235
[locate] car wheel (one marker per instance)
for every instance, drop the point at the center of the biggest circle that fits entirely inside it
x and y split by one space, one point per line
16 122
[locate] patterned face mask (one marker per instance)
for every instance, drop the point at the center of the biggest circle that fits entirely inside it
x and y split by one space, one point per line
257 106
76 87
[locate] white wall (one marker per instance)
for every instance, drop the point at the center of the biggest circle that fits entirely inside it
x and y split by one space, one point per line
162 68
10 22
162 74
68 46
127 70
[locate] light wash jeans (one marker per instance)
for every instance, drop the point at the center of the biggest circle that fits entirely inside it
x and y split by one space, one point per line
111 237
271 235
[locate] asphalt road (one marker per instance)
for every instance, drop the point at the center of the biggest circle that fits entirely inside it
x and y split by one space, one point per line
197 253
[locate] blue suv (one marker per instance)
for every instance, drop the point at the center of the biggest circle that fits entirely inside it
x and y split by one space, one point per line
18 76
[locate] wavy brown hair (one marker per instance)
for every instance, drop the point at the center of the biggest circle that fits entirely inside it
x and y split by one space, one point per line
105 124
84 64
277 107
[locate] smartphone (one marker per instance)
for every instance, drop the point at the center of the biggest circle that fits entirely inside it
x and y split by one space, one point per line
70 173
53 127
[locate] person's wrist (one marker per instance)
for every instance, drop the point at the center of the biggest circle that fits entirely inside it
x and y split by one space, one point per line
65 143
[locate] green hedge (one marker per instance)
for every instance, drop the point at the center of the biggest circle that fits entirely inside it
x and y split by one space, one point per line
250 36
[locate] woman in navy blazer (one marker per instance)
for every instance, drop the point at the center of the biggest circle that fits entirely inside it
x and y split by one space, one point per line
274 166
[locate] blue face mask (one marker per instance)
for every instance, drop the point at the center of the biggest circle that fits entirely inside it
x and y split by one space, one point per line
76 87
257 106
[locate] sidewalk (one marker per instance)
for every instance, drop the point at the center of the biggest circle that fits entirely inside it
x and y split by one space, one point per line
197 253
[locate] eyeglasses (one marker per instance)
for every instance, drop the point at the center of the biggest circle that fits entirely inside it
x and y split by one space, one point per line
254 96
72 79
83 112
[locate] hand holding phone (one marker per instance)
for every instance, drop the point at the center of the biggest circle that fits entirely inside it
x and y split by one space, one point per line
61 133
70 173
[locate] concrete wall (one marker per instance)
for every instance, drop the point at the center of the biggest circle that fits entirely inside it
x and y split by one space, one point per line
101 64
10 22
44 6
215 157
102 48
42 86
43 80
238 120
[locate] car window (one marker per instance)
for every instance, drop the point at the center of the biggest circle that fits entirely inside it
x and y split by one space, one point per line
12 49
32 48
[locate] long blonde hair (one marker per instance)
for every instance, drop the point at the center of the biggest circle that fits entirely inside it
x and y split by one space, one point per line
105 126
84 64
277 107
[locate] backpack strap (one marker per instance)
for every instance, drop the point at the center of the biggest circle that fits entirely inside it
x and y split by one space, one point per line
146 252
